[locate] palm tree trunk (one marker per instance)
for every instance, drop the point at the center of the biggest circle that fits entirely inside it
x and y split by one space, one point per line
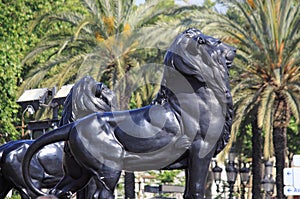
279 140
129 185
129 178
279 147
256 160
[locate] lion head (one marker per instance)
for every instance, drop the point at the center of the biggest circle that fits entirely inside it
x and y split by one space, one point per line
204 61
219 52
87 96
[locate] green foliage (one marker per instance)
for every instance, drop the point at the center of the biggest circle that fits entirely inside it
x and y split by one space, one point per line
267 61
16 40
293 138
15 195
209 4
267 86
243 141
167 177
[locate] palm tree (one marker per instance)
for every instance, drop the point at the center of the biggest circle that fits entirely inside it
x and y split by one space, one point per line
268 85
101 41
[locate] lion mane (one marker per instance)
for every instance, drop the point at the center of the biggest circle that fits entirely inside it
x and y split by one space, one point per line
87 96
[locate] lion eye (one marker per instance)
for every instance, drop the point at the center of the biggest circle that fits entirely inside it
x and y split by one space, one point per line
218 42
200 40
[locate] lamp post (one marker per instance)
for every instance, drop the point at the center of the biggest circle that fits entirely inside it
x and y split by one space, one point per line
268 182
217 171
231 172
231 155
268 168
244 174
31 111
34 99
30 101
268 186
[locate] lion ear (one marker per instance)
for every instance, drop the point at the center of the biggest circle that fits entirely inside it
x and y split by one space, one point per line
192 47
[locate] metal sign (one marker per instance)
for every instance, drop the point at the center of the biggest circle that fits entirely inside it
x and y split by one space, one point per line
164 189
291 178
291 191
297 178
288 176
296 160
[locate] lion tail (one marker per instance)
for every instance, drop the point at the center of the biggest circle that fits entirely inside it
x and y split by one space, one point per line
56 135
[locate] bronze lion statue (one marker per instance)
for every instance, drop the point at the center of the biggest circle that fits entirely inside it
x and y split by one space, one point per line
185 126
45 167
44 170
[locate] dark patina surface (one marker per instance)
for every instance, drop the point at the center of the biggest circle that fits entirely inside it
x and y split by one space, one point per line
186 125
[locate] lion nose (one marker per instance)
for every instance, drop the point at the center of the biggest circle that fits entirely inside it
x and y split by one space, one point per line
231 54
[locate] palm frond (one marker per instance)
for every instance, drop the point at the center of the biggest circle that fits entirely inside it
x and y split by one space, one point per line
32 82
266 98
144 13
82 25
268 122
91 6
243 107
294 104
37 51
